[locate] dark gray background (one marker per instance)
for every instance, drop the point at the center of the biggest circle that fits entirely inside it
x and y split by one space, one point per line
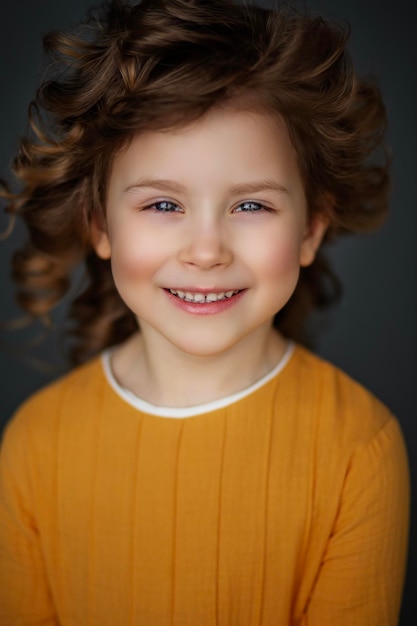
372 334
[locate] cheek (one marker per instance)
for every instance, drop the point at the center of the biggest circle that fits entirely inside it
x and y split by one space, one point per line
277 257
133 259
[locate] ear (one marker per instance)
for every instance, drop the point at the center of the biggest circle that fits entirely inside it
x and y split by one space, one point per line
316 229
99 237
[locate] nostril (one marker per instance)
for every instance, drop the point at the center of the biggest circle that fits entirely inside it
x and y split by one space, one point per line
206 252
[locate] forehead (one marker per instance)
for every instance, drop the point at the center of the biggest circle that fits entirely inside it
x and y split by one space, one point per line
229 141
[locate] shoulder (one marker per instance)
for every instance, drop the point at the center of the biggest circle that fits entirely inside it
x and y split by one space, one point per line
72 386
356 446
73 394
338 405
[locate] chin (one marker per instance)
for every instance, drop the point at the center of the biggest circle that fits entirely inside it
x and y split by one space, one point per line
195 347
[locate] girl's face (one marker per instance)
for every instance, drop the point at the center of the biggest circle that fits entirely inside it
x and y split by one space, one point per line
206 228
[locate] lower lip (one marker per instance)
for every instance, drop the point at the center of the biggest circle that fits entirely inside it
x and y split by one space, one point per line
206 308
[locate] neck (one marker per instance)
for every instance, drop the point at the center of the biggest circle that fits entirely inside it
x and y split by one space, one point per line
165 376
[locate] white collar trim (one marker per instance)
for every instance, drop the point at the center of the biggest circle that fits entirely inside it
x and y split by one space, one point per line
191 411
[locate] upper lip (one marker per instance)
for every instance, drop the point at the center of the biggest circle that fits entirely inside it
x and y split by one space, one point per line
204 290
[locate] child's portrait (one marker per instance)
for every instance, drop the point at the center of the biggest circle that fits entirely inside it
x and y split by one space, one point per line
207 324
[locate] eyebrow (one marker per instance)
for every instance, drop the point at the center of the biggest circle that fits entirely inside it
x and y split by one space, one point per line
156 183
264 185
172 186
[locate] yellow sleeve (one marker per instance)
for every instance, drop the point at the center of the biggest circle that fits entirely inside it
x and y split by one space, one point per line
25 598
361 578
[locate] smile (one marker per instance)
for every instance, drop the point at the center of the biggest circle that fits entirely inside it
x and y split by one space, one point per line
202 298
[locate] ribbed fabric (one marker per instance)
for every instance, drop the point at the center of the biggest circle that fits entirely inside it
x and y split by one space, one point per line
286 507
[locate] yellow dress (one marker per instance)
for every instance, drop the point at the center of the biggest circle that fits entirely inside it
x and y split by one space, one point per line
286 504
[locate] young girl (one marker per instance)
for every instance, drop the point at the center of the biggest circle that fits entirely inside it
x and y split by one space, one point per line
201 467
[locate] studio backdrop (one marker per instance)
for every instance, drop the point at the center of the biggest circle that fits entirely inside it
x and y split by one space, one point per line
371 334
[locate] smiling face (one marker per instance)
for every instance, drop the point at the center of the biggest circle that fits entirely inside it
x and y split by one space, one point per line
206 227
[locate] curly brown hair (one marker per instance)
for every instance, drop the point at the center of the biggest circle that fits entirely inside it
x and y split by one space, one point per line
160 64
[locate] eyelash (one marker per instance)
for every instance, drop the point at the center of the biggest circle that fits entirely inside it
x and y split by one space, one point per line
259 207
155 206
255 207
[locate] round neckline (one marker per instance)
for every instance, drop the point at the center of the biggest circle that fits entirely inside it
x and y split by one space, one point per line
189 411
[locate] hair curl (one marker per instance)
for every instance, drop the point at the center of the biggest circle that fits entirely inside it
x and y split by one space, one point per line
160 64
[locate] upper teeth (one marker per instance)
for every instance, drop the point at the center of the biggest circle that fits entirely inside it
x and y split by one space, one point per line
203 297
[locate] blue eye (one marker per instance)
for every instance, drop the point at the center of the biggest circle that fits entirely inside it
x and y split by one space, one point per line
249 207
164 206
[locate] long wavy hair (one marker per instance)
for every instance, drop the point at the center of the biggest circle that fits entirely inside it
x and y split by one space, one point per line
161 64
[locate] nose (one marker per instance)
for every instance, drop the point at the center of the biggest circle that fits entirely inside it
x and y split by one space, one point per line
206 245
